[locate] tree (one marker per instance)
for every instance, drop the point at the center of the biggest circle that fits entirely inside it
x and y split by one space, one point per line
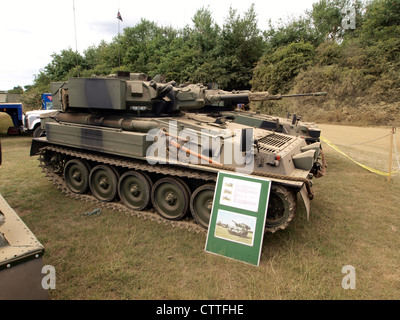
68 62
329 17
205 32
295 30
16 90
181 61
239 49
275 72
382 19
143 45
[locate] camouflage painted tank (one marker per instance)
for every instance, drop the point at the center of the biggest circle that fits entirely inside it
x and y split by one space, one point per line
239 229
134 143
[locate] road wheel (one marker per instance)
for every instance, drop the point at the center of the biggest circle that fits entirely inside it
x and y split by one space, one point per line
201 204
54 162
134 190
170 197
103 183
76 175
281 208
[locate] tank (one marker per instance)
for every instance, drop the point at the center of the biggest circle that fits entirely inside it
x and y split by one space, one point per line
136 144
239 229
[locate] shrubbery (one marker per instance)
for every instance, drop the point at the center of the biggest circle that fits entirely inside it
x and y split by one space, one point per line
358 68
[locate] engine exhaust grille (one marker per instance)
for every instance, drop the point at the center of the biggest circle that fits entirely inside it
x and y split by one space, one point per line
274 142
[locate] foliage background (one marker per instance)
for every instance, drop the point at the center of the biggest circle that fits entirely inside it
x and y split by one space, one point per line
359 68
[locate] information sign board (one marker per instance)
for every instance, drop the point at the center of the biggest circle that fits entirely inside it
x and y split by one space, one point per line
238 215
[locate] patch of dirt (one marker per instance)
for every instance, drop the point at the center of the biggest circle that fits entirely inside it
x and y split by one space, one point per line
21 212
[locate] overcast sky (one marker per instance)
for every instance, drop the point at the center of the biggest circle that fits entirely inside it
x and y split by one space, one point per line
31 30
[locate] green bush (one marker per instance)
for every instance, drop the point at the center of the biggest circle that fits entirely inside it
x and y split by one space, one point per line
275 72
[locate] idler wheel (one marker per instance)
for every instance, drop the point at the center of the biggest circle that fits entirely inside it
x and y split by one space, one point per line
281 208
134 189
170 197
201 204
103 183
54 162
76 175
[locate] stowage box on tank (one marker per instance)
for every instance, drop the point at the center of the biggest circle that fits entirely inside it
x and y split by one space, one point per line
139 143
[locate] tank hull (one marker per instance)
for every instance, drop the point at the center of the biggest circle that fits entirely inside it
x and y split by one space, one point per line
128 151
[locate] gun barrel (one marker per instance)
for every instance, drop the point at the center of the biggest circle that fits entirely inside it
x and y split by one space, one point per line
235 96
247 96
314 94
264 96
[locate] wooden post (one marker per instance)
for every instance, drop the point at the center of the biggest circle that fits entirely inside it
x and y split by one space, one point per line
390 153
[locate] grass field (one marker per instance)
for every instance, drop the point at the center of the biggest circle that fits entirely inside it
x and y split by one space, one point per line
354 220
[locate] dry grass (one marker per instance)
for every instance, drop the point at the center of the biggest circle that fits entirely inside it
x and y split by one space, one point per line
354 221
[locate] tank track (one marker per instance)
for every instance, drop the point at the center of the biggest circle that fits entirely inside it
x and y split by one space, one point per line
188 223
324 165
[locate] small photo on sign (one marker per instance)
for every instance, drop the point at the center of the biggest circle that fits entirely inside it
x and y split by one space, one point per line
235 227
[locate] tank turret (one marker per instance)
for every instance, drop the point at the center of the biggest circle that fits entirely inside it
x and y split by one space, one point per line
138 93
241 225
